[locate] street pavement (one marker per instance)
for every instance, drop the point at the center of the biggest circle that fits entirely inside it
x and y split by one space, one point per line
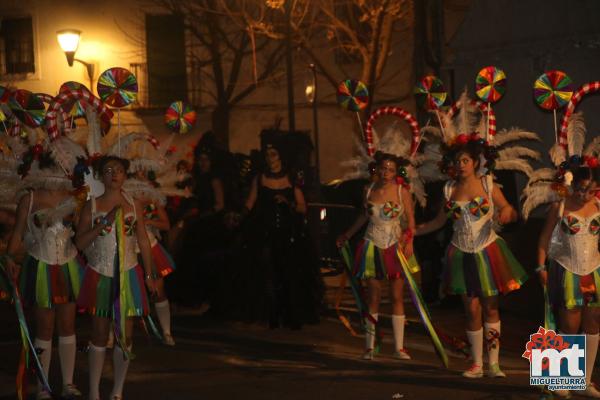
224 360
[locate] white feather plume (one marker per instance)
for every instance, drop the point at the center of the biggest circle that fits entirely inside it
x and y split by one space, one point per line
513 134
558 155
65 152
536 195
516 165
94 139
514 152
143 190
576 134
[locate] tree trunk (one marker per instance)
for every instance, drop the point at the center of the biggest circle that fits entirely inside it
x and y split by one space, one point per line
220 124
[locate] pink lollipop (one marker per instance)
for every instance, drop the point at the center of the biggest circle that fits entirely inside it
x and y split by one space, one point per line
397 112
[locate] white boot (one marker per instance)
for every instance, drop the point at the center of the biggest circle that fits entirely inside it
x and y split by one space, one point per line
67 349
591 349
370 338
492 339
400 352
476 341
120 367
96 364
44 348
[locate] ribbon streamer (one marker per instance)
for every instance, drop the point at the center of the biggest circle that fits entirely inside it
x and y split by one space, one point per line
28 348
363 310
120 289
421 307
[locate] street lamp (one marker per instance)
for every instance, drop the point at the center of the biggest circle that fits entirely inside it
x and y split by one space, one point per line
68 39
311 96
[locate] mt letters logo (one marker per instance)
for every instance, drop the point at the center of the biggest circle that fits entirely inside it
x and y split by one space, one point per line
556 360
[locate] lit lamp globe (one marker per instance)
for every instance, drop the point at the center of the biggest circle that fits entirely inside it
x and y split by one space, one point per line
68 40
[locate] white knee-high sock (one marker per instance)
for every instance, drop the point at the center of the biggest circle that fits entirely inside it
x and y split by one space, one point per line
492 339
398 325
370 334
476 341
67 348
44 348
96 363
163 311
591 349
120 366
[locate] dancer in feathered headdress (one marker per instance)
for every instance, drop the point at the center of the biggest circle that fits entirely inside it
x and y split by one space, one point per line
386 251
479 265
147 163
568 256
50 273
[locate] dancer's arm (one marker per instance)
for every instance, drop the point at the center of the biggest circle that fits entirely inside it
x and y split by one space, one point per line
544 241
506 213
431 226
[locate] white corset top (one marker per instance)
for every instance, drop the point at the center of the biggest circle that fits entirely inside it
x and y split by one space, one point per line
384 227
574 243
473 220
49 234
102 251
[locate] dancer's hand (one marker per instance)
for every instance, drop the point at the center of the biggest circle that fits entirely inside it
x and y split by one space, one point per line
543 275
343 238
507 215
12 269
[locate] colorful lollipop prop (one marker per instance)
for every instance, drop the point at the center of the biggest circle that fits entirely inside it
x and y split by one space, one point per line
553 90
490 85
27 107
591 87
353 95
397 112
431 95
118 88
180 117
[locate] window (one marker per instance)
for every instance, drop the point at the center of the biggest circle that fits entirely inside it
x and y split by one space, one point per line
165 54
16 46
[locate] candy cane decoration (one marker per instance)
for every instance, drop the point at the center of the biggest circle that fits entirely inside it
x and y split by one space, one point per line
46 98
485 108
575 99
397 112
52 127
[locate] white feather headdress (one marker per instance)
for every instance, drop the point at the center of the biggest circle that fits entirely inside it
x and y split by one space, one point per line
540 188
